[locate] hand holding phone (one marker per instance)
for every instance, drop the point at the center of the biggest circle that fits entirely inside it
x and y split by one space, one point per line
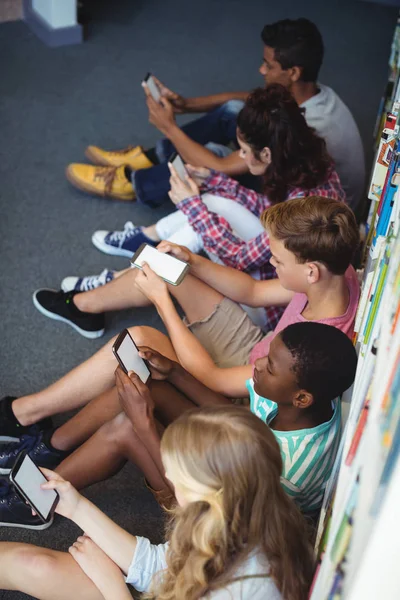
152 87
127 354
169 268
179 166
27 479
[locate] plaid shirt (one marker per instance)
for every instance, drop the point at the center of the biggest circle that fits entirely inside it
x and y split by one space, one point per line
219 238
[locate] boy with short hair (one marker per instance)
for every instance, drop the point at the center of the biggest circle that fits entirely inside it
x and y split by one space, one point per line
220 340
294 390
292 56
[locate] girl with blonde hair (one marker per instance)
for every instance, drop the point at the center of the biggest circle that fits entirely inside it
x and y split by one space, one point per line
233 535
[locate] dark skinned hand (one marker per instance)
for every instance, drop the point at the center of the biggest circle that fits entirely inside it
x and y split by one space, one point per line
160 366
135 398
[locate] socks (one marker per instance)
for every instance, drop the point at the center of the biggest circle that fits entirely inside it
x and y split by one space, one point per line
152 156
7 411
128 173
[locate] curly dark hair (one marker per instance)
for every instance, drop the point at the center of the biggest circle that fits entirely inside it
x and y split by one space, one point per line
272 118
325 359
296 43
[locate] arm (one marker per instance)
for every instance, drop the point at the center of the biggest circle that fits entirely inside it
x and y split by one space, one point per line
231 283
197 104
238 286
191 354
161 115
104 573
185 194
195 359
168 370
207 103
198 155
138 405
118 544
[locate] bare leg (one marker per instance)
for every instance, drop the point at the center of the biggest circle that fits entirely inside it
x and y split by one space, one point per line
75 389
96 375
104 408
118 294
121 293
105 453
151 233
44 574
87 421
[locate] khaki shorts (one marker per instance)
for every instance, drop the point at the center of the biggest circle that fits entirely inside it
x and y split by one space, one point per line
228 334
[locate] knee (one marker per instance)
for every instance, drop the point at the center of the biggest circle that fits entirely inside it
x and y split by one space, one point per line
141 334
233 106
117 431
36 563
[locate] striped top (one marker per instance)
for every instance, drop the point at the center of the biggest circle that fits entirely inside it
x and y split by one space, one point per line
307 454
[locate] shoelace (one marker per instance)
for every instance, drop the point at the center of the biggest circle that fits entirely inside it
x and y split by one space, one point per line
26 443
107 174
123 151
92 282
120 237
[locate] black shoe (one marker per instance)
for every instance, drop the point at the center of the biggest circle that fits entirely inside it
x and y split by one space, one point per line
14 512
11 430
37 447
60 306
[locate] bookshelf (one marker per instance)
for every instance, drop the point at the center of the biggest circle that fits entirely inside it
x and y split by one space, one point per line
356 543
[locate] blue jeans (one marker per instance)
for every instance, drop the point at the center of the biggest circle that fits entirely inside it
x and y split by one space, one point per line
215 130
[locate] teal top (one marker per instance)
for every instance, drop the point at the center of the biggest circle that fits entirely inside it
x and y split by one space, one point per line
307 454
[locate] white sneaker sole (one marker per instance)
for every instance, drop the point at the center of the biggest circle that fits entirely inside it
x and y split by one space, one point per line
98 241
91 335
4 471
22 526
7 438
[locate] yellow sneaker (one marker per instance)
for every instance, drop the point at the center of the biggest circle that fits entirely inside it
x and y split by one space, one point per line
132 156
102 181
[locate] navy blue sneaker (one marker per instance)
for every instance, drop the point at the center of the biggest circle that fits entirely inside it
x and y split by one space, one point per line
11 430
14 512
38 448
121 243
60 306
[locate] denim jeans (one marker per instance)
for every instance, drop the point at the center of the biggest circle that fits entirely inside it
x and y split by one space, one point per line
214 130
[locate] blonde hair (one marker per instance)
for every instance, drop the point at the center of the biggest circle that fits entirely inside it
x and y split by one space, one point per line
315 229
228 466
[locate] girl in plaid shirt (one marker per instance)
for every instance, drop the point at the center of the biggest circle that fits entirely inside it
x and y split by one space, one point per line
280 148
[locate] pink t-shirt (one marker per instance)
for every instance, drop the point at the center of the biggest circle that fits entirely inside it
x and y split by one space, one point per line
296 306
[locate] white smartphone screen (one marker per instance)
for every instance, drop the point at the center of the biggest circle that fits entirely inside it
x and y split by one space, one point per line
179 166
129 355
166 266
29 478
153 89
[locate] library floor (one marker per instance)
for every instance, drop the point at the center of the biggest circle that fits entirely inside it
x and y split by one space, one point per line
54 102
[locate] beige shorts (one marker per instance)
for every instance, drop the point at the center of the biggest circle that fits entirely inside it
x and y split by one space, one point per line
228 334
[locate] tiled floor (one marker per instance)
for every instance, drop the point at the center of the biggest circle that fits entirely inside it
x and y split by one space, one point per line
10 10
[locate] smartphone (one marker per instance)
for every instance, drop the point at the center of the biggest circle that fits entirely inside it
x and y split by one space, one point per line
169 268
127 354
27 478
153 87
179 166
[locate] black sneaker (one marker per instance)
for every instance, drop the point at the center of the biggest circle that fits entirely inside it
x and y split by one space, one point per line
14 512
11 430
60 306
37 447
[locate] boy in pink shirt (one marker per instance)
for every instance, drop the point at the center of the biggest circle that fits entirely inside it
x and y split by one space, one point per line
312 241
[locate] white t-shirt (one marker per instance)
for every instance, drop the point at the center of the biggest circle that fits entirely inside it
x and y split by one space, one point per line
149 559
333 121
